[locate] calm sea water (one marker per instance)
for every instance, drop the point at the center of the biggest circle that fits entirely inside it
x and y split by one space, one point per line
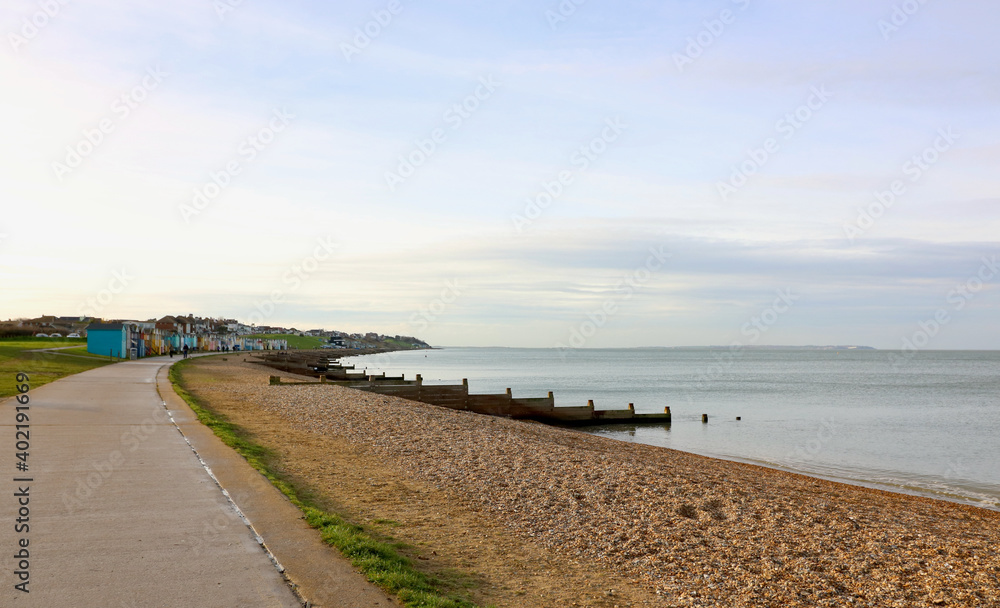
928 424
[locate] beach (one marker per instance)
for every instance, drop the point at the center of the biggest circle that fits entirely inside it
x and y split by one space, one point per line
928 427
549 516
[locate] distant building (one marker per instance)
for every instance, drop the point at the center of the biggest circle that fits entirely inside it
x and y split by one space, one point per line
136 339
167 324
109 339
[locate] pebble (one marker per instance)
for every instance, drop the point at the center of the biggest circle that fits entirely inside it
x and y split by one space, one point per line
698 531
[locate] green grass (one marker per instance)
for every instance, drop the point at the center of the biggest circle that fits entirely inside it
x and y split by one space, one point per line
41 368
386 522
293 340
81 351
398 344
379 559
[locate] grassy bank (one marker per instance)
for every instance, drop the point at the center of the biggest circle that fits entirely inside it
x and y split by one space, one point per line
81 351
376 556
42 367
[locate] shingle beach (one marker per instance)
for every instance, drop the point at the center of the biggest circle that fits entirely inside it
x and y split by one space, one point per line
694 531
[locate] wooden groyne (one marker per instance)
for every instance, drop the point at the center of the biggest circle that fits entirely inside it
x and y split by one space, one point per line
457 396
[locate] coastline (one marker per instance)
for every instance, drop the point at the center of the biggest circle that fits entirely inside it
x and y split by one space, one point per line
982 501
825 419
690 529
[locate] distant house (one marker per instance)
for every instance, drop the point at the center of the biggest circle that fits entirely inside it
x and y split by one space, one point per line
44 320
167 324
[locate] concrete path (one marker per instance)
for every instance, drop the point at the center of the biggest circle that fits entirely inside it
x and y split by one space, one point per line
121 511
42 350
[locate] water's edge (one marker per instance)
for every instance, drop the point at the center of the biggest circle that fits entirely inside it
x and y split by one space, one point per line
925 429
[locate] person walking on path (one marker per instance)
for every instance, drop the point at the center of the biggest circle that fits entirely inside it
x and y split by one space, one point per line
185 351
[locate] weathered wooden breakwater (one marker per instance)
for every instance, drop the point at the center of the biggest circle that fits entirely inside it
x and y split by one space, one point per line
457 396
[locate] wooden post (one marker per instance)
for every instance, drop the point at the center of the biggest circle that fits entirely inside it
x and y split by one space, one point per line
510 395
590 403
704 418
631 407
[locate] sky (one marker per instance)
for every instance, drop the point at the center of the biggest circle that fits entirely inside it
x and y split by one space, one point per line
536 174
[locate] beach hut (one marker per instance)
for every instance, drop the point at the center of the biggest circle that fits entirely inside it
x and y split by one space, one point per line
108 339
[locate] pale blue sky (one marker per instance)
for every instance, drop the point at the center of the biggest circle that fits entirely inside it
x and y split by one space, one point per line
463 215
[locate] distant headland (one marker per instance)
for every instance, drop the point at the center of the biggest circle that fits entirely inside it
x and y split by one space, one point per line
774 347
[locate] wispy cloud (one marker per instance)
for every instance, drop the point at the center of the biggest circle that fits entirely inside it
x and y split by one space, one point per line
325 174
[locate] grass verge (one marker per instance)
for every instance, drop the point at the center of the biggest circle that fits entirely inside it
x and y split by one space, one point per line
42 367
380 561
81 351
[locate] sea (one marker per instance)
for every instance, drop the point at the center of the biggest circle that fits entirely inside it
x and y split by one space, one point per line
919 422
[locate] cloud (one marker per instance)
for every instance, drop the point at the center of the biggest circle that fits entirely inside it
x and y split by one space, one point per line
656 187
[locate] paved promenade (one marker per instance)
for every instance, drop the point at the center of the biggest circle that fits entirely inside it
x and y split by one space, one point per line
122 513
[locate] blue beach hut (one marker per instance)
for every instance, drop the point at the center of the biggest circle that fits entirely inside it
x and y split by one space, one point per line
107 339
